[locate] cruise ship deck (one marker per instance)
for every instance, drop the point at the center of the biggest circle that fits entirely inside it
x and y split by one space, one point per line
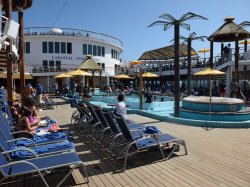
217 157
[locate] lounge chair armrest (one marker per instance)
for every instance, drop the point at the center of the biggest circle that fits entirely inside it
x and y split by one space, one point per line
21 162
15 140
18 132
21 149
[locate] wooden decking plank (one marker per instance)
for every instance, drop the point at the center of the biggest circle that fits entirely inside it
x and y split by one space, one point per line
219 157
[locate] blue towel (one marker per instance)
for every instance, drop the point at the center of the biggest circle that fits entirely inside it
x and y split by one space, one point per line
151 130
42 150
145 142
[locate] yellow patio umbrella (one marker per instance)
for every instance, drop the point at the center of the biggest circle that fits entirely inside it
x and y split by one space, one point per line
243 42
136 62
149 75
122 76
63 75
79 72
16 75
204 50
210 72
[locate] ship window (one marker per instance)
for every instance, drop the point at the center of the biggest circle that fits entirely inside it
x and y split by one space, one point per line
94 50
57 47
63 47
69 48
58 65
45 47
27 47
45 64
90 49
85 49
51 47
99 50
103 51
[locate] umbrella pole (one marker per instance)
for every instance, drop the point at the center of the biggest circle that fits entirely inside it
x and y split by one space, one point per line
140 91
210 102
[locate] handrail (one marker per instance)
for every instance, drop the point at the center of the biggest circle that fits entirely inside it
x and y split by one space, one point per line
74 33
244 98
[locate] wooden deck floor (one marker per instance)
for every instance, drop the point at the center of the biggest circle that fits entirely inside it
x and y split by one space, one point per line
218 157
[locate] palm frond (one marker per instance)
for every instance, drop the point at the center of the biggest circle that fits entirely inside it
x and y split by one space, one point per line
192 35
191 16
185 26
244 24
167 17
201 38
158 23
167 26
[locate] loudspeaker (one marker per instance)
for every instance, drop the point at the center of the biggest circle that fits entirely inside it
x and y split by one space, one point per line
11 29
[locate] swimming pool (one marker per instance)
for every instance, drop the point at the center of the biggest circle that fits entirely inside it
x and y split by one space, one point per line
132 101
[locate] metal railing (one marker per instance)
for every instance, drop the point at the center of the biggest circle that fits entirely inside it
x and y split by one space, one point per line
29 31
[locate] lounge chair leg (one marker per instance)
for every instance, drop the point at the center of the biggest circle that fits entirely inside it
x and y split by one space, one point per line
125 162
170 154
184 144
43 179
85 172
163 156
66 176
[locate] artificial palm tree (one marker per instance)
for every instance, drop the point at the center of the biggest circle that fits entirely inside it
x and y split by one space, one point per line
171 21
189 40
242 25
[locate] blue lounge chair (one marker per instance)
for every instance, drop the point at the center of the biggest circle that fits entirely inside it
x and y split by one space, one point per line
136 144
21 152
41 166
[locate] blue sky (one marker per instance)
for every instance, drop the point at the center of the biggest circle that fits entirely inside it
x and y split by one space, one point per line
128 20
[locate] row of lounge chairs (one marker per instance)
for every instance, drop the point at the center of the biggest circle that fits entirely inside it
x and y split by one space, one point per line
122 137
36 156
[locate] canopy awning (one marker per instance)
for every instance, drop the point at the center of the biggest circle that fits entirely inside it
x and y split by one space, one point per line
165 53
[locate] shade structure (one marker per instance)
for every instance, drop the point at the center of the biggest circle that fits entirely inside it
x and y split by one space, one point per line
89 64
79 72
229 32
210 72
204 50
63 75
149 75
122 76
16 75
243 42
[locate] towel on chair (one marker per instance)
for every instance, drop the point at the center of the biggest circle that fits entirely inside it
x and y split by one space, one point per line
151 130
42 150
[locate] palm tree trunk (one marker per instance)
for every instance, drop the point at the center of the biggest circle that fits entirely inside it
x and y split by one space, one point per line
189 68
177 70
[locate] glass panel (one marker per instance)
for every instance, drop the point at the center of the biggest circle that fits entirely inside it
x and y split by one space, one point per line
57 47
58 66
103 51
51 47
69 48
45 47
27 47
85 49
99 50
45 63
90 49
94 50
63 47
